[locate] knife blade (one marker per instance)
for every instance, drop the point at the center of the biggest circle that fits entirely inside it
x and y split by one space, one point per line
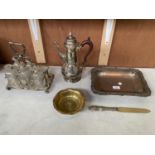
119 109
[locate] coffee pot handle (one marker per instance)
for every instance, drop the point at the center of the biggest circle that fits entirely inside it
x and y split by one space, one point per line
90 44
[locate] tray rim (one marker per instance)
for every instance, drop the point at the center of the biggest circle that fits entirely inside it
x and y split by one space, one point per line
147 91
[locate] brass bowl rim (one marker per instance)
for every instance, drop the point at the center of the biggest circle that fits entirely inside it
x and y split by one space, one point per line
82 104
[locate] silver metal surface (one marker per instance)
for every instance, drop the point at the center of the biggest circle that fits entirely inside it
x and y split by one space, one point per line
23 74
71 69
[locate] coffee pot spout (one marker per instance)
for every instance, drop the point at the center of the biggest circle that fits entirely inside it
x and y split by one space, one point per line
62 55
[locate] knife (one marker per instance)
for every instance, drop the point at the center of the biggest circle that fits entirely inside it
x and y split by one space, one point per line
119 109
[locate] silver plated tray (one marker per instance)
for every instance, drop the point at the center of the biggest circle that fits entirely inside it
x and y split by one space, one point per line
119 81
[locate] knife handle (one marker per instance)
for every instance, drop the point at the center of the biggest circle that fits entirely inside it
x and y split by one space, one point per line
101 108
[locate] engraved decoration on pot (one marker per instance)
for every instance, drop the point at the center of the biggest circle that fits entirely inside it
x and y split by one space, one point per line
71 69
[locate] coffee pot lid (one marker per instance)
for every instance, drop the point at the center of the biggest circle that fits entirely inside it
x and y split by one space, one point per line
70 39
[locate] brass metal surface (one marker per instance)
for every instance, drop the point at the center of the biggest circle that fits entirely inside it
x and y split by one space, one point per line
119 109
69 101
118 81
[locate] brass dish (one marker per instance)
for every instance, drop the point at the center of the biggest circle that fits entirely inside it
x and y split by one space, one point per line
118 81
69 101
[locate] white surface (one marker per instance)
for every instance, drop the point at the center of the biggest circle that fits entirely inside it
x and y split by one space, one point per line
109 26
33 23
32 112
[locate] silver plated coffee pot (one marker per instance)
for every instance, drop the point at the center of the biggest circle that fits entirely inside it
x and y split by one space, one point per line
71 69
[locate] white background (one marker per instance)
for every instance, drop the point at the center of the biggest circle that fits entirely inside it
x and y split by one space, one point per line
108 9
77 145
